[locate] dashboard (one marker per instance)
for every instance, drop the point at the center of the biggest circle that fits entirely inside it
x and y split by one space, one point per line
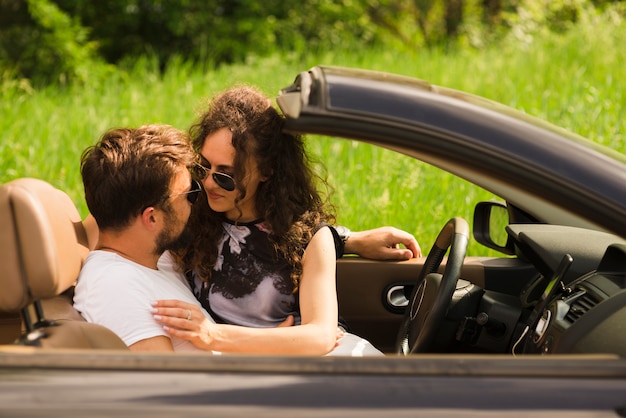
582 304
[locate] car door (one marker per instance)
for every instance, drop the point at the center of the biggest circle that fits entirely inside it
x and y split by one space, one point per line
372 294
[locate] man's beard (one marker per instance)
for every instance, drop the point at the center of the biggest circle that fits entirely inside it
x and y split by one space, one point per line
183 240
168 240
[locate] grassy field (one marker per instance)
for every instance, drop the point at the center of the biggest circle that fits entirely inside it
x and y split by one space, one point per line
574 80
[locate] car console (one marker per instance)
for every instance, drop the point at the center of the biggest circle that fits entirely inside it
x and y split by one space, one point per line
587 315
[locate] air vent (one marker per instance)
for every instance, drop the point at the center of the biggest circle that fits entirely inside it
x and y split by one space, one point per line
580 306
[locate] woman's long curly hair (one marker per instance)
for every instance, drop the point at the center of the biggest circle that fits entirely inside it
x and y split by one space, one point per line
288 200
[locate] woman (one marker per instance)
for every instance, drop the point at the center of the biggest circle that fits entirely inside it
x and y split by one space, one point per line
262 251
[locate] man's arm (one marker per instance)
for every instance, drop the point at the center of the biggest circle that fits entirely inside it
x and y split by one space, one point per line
384 243
159 343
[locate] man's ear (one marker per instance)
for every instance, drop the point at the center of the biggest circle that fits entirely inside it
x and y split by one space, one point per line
149 217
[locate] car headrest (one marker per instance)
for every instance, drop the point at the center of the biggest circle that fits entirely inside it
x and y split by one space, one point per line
43 242
91 228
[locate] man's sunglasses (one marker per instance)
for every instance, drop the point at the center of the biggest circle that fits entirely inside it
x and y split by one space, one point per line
223 180
192 194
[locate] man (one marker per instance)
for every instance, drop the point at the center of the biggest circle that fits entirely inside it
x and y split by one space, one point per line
139 189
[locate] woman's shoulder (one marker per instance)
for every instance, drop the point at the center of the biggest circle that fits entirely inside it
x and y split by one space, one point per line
332 236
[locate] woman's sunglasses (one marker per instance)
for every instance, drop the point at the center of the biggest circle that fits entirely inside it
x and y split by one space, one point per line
223 180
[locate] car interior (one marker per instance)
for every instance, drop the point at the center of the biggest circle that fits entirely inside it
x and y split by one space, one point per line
555 289
43 245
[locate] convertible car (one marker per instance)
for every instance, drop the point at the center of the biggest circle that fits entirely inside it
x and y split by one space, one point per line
539 329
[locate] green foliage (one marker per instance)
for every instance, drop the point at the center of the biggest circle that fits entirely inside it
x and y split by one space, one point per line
217 31
57 40
571 78
43 43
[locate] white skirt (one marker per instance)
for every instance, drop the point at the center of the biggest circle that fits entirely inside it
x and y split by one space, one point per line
354 346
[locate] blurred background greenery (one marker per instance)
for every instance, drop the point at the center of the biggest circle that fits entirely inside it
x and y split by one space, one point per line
58 40
70 69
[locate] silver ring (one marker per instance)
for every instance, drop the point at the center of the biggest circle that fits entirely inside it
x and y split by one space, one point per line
188 314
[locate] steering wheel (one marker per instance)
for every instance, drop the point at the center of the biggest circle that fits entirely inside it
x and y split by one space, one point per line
431 298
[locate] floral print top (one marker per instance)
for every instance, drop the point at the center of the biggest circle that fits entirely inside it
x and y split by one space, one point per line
249 286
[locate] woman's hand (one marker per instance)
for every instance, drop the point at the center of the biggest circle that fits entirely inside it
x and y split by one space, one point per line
187 321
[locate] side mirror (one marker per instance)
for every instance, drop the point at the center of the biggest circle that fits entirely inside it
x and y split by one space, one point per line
490 222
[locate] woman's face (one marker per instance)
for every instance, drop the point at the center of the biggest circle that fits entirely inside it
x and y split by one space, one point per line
218 156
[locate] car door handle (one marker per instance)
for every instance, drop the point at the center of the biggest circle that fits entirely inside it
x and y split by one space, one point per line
396 296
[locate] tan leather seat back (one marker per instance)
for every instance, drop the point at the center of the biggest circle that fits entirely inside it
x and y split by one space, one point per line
43 244
92 231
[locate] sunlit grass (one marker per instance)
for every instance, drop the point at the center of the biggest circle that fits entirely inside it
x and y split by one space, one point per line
573 80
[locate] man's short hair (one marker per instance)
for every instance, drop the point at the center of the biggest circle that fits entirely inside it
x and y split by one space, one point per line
128 170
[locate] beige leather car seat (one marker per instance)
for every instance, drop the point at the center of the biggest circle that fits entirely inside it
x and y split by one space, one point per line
43 244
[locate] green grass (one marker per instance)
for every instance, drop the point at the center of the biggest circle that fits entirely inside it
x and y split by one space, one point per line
573 80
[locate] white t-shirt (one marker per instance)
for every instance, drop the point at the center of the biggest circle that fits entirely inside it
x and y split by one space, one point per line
117 293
